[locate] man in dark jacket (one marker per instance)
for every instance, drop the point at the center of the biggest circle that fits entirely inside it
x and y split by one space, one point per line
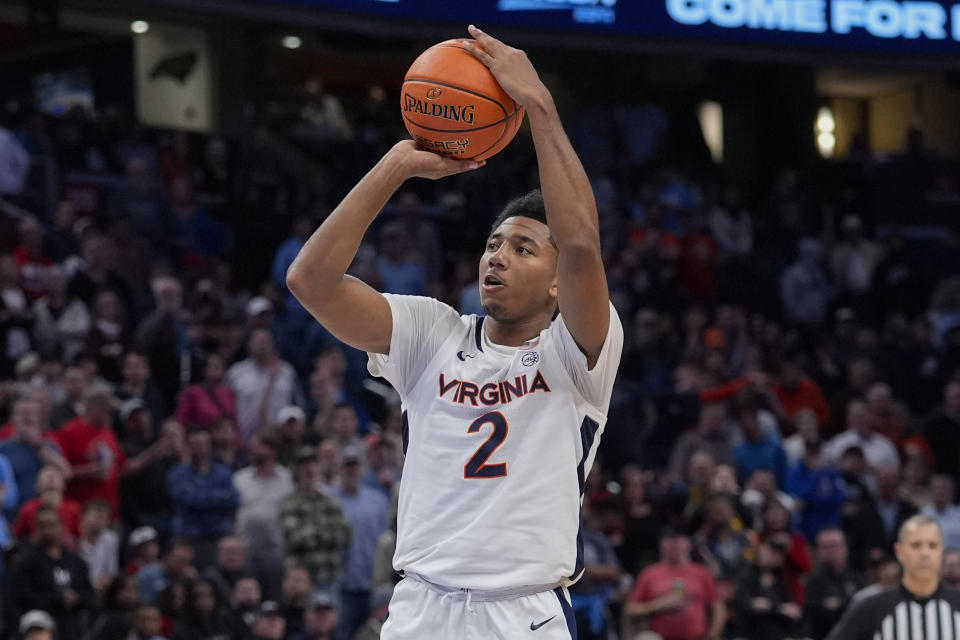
50 578
832 585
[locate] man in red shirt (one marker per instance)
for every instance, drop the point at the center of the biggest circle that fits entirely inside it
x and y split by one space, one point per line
50 486
677 597
29 256
95 456
795 391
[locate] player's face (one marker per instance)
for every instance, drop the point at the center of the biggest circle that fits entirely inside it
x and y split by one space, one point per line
518 270
920 550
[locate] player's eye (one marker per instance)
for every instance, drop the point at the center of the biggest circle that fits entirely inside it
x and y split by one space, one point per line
524 250
491 246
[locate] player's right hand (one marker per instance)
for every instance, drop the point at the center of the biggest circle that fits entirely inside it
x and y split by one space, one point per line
418 163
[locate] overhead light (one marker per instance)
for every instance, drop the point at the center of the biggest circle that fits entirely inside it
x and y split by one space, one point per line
291 42
139 26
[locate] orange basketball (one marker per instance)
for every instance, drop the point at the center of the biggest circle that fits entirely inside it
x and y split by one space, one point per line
452 104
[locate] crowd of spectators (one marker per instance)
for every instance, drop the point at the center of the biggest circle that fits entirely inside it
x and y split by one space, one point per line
187 455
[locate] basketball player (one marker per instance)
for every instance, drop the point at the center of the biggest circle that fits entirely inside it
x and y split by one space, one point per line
920 607
502 414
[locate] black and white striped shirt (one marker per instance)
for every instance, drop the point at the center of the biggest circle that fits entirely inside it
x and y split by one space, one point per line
896 614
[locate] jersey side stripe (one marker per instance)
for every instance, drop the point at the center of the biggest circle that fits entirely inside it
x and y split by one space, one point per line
588 433
405 432
568 614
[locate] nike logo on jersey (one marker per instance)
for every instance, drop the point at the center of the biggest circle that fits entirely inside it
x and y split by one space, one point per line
534 627
463 356
492 393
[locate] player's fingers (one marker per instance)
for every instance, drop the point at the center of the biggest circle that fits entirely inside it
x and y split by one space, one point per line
479 53
456 165
486 41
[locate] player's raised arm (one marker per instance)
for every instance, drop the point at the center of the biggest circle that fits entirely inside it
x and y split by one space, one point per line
571 210
349 308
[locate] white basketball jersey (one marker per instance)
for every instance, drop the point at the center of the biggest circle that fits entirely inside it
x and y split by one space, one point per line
498 442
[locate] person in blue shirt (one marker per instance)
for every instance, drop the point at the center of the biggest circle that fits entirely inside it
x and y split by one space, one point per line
27 452
820 488
368 511
177 564
9 498
204 498
759 450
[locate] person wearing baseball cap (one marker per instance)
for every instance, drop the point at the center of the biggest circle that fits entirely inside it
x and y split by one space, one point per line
144 548
291 427
37 625
320 618
368 512
270 623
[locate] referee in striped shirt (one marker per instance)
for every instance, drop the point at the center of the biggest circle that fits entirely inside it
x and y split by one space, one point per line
920 607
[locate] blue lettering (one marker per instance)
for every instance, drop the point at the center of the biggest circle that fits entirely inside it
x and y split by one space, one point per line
808 16
446 387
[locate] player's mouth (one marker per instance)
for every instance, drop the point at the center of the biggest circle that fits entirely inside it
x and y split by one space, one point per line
492 283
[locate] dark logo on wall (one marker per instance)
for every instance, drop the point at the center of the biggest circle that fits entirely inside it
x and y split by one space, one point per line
455 112
178 67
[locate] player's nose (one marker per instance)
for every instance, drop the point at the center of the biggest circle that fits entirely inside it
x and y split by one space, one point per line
498 257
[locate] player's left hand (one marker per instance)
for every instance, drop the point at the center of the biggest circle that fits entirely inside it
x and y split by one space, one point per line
509 66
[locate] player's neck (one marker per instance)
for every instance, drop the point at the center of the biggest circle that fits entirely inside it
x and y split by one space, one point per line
514 334
921 586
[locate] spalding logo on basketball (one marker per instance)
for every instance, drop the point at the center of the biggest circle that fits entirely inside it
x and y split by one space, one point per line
452 104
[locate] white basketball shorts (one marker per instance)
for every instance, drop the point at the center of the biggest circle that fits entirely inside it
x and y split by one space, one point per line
422 611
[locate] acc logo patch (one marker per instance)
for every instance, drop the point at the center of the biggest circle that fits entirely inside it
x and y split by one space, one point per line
530 359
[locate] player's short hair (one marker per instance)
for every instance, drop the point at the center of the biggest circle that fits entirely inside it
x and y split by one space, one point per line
918 520
529 205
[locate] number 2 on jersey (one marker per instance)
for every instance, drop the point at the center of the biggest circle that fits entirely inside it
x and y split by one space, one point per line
477 466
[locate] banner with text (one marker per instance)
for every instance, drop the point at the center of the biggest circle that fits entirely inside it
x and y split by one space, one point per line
853 25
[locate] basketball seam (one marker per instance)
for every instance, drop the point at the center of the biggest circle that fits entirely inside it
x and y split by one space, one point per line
453 86
503 133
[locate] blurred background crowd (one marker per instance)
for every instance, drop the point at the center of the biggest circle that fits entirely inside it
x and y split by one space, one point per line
186 454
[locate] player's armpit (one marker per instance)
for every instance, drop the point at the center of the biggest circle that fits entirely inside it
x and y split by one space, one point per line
583 298
355 313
